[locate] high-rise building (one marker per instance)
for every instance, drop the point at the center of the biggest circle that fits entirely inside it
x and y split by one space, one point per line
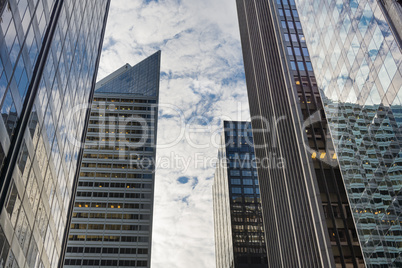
306 213
239 235
112 217
355 49
49 56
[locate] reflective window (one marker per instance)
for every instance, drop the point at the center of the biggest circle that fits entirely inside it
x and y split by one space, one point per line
300 65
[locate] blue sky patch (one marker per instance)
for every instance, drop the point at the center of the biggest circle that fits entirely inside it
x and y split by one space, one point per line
183 180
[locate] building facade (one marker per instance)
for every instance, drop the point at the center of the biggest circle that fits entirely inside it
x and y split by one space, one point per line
112 218
306 213
239 234
355 49
49 56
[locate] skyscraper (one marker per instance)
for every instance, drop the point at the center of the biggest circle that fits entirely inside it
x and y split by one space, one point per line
306 214
49 53
239 235
112 217
355 49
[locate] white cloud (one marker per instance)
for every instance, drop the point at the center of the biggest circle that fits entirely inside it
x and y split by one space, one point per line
202 75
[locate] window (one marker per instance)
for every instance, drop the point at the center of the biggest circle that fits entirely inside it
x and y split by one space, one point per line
298 25
305 51
280 12
291 25
309 66
293 65
247 181
236 190
297 51
300 65
294 11
287 37
294 37
248 190
302 39
283 24
245 156
287 12
246 172
234 172
235 181
290 52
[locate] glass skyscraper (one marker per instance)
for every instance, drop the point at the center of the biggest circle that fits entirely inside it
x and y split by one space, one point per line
307 218
49 56
239 235
355 49
112 217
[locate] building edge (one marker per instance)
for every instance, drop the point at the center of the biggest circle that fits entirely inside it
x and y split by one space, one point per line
83 138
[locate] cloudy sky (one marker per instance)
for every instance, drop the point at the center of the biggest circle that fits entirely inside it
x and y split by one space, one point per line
202 83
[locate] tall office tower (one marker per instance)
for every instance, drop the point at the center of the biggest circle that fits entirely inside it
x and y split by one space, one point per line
112 217
239 235
306 212
49 56
357 55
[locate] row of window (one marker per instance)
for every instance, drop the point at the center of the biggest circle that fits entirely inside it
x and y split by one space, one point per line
293 37
249 228
244 173
106 250
297 51
125 147
242 156
242 164
120 131
123 100
125 122
124 108
247 199
286 2
109 238
147 165
111 216
113 195
245 181
118 139
112 205
115 263
240 140
288 12
115 175
123 115
245 190
121 156
110 118
234 133
114 227
230 126
115 184
249 249
291 25
300 66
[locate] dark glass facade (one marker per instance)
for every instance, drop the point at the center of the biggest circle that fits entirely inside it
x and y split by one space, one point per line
355 48
307 192
112 218
49 56
239 235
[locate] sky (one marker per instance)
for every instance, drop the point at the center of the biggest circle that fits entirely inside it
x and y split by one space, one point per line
202 84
